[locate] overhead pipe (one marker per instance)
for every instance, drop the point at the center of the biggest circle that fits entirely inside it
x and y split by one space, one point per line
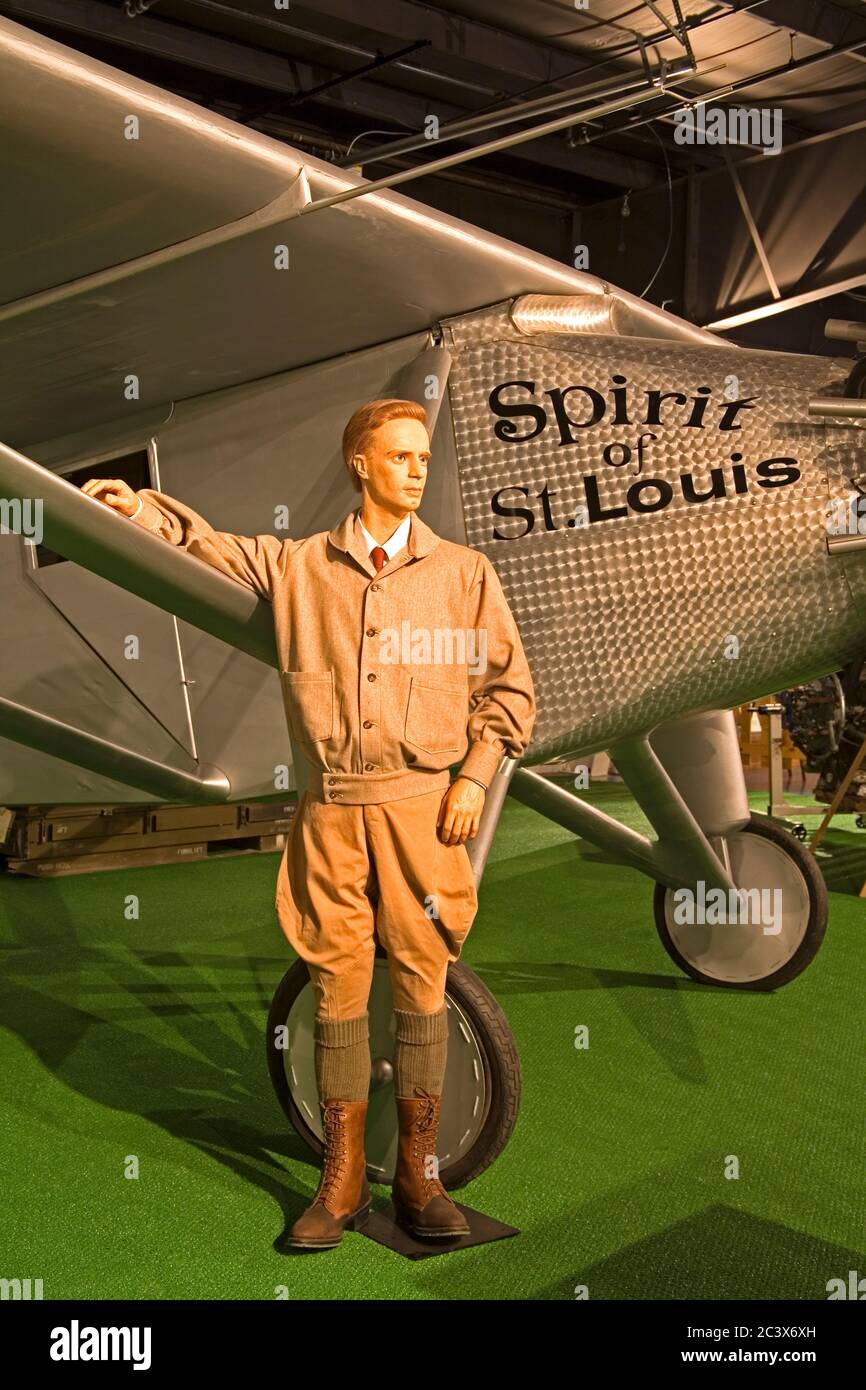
742 84
650 92
489 120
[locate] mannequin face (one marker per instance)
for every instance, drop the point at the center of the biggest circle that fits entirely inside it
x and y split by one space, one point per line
393 467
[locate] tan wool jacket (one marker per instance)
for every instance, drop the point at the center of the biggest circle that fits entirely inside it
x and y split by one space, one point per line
388 679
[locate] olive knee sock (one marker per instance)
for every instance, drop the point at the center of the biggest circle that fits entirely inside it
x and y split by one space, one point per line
342 1056
421 1052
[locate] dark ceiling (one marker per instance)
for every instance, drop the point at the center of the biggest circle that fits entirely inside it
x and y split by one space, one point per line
342 78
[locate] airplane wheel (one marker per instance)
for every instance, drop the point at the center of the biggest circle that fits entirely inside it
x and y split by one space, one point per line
481 1092
742 955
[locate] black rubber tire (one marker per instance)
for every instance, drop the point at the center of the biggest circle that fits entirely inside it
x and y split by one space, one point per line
498 1052
501 1070
855 386
815 929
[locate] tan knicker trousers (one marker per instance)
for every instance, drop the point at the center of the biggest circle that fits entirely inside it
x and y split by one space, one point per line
355 875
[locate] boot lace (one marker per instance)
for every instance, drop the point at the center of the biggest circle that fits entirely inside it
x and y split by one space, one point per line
424 1140
335 1152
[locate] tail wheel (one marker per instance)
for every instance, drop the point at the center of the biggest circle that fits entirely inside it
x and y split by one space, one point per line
757 955
481 1092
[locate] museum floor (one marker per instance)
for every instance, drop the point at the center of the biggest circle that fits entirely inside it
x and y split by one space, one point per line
144 1039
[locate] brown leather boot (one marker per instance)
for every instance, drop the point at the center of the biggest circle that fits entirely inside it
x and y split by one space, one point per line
342 1199
421 1202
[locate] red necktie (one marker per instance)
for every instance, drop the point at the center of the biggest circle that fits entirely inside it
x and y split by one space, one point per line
379 557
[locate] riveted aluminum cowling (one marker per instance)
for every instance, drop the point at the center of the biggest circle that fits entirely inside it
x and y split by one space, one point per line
572 313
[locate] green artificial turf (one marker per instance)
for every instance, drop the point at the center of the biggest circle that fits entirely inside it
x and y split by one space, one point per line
126 1039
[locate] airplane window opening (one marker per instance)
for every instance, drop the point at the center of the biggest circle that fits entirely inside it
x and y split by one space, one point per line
133 468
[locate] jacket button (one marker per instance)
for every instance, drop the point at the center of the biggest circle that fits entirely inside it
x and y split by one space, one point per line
368 724
371 632
373 588
371 677
332 795
368 767
332 781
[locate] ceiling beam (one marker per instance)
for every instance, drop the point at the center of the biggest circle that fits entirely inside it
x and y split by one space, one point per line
483 62
473 49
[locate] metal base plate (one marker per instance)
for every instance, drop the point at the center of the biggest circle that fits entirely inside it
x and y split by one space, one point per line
382 1227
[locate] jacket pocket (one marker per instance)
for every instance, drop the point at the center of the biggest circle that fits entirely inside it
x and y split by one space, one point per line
309 697
437 716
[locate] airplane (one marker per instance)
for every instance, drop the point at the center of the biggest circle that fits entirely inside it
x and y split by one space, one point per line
198 308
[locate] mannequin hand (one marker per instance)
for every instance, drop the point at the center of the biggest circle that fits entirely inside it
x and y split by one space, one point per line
114 492
460 812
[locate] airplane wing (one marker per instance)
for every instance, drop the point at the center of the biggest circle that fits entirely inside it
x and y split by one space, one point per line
144 239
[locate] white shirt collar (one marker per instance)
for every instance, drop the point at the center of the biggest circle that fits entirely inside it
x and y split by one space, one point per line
394 542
